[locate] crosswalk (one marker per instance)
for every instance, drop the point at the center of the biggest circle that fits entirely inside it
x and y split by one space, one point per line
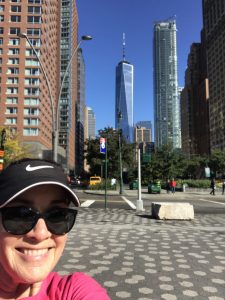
89 202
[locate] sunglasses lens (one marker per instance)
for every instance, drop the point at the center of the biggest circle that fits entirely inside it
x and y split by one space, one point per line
18 220
60 220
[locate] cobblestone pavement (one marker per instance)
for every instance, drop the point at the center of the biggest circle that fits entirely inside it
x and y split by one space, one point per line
136 257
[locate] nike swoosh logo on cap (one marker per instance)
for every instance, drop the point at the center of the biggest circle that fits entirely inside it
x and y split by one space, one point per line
30 169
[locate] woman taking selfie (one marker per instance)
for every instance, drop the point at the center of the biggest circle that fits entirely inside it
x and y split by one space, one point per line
35 219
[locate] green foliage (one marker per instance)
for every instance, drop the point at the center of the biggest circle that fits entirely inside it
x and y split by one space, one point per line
95 159
200 183
14 149
101 186
217 162
165 163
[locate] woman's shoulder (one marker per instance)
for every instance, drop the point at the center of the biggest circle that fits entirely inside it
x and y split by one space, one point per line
76 286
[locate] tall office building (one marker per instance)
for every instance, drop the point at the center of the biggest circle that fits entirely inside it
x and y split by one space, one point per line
25 105
80 112
194 104
147 125
166 98
214 34
124 98
91 123
67 115
142 134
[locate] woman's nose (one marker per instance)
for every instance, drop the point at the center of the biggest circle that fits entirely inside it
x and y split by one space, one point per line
40 231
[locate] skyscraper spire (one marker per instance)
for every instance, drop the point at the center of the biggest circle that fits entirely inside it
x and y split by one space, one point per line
124 44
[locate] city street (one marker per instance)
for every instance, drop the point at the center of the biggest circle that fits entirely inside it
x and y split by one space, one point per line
137 257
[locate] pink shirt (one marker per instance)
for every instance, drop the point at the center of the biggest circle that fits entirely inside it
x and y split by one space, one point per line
77 286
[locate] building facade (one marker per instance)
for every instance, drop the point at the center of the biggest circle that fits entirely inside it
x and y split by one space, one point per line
147 125
194 104
80 112
26 106
124 100
91 123
214 35
166 98
67 101
142 134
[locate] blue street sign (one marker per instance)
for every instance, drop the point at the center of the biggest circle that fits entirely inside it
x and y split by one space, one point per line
102 145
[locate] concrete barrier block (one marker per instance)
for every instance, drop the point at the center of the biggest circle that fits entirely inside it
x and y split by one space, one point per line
172 211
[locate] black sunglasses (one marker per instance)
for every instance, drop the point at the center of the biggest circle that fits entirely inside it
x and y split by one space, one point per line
20 220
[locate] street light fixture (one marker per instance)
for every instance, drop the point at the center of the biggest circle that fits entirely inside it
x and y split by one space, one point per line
55 112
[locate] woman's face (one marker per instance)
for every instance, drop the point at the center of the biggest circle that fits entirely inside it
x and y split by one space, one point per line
30 257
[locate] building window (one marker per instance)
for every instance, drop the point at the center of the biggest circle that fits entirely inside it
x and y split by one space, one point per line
2 7
34 31
1 51
31 91
1 30
9 121
1 18
34 19
12 90
31 111
34 9
34 1
15 8
13 71
30 131
31 81
31 121
34 42
12 80
13 61
14 30
32 71
1 41
14 51
15 19
16 1
30 52
11 100
14 42
31 101
11 110
31 62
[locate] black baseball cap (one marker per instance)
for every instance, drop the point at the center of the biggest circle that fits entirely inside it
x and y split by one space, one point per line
25 174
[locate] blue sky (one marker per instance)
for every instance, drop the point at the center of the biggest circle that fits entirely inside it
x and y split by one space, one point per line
105 21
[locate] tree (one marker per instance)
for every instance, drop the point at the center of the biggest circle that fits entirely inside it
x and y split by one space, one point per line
165 163
217 162
13 147
95 159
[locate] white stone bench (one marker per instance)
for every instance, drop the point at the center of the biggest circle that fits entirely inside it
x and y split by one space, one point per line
172 211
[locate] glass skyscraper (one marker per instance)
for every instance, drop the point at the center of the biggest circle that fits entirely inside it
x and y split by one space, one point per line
124 100
166 96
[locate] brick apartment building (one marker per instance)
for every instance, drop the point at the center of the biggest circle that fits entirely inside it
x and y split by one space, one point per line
25 103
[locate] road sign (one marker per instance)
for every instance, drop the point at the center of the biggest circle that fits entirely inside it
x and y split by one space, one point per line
102 145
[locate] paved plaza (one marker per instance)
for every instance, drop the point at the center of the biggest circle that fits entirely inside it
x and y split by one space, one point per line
137 257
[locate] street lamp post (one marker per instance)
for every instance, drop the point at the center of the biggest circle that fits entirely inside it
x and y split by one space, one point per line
55 110
120 154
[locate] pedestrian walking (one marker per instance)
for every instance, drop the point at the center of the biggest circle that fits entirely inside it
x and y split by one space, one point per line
36 215
223 186
173 185
168 186
213 186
